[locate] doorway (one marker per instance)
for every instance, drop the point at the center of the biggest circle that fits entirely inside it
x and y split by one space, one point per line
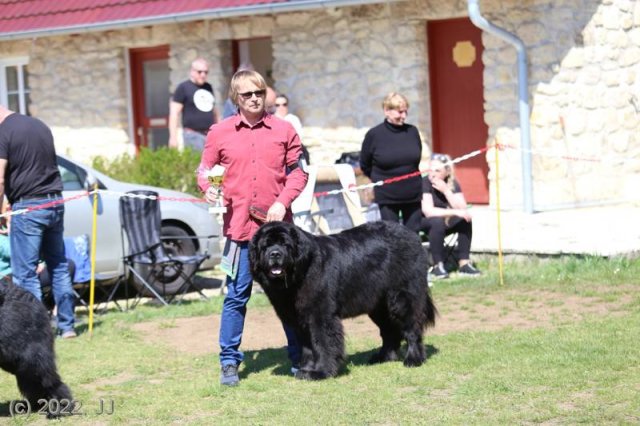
150 81
457 100
256 51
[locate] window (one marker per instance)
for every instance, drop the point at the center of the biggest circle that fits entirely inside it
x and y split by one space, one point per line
14 84
73 177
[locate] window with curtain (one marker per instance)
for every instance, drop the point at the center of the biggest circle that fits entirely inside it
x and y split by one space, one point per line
14 84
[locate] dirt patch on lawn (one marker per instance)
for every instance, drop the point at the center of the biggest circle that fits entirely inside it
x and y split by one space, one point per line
510 309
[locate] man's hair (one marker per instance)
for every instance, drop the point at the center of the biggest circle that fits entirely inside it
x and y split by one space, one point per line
240 76
199 60
394 100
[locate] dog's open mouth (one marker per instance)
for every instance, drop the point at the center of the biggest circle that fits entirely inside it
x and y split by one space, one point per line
276 271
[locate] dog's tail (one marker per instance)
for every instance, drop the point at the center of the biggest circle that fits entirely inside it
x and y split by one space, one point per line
430 310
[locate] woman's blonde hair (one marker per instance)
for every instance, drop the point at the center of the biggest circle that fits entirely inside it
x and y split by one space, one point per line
448 166
243 75
394 100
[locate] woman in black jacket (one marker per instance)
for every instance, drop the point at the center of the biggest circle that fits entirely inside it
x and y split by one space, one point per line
393 149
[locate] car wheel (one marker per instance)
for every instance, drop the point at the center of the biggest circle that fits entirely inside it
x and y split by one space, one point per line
168 281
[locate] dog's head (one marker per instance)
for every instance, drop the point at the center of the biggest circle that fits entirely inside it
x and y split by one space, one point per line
274 251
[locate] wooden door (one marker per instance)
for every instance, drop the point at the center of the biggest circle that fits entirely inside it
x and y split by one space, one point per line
457 100
150 96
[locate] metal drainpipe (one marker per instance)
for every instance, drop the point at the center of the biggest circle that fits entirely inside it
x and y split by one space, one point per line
523 98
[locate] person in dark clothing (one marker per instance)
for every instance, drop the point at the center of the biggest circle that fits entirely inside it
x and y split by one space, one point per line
445 212
393 149
29 174
193 99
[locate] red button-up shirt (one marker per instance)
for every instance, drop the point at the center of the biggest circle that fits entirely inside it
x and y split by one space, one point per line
255 160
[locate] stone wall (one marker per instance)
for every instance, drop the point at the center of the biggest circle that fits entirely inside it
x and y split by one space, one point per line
584 61
337 66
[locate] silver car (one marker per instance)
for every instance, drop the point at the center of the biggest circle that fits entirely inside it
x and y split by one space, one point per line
179 219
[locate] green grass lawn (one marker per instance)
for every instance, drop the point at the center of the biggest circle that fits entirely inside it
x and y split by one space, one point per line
577 369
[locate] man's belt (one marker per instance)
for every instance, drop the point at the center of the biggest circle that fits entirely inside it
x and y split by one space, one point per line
50 196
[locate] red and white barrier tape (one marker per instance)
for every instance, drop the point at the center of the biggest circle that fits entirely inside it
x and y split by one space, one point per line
351 188
354 188
102 192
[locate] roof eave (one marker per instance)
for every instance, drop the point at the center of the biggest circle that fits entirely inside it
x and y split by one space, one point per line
292 6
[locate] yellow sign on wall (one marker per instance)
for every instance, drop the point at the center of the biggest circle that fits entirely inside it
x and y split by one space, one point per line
464 54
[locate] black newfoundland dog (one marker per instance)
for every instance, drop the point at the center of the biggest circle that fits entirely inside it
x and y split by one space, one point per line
26 349
378 268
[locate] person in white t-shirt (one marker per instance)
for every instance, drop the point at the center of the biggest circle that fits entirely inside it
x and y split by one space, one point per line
282 111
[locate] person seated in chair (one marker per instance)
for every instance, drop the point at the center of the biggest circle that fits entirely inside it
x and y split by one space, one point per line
445 212
45 284
5 247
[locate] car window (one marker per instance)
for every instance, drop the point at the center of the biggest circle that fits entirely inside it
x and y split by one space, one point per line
70 179
74 176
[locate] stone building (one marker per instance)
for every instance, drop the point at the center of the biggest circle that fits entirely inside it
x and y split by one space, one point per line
103 84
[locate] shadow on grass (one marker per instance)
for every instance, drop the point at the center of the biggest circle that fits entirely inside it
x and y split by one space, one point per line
266 359
277 360
362 358
125 296
5 409
83 328
15 408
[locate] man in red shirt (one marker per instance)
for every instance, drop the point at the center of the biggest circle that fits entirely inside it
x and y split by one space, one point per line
260 154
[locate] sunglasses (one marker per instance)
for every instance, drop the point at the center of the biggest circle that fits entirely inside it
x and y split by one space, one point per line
440 157
202 71
258 93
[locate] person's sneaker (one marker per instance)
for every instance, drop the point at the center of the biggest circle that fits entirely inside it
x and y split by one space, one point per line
469 270
439 272
229 375
69 334
429 280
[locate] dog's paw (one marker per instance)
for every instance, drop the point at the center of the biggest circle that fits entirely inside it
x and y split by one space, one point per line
413 362
311 375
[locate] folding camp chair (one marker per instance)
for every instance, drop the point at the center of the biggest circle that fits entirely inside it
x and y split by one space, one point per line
450 251
148 263
306 212
340 211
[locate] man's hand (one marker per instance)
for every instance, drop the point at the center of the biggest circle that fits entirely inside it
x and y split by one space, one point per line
212 195
276 212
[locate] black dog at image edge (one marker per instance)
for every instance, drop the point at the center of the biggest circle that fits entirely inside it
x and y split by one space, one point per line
378 268
26 351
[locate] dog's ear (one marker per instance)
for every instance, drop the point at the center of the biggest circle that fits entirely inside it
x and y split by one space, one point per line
300 246
253 251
